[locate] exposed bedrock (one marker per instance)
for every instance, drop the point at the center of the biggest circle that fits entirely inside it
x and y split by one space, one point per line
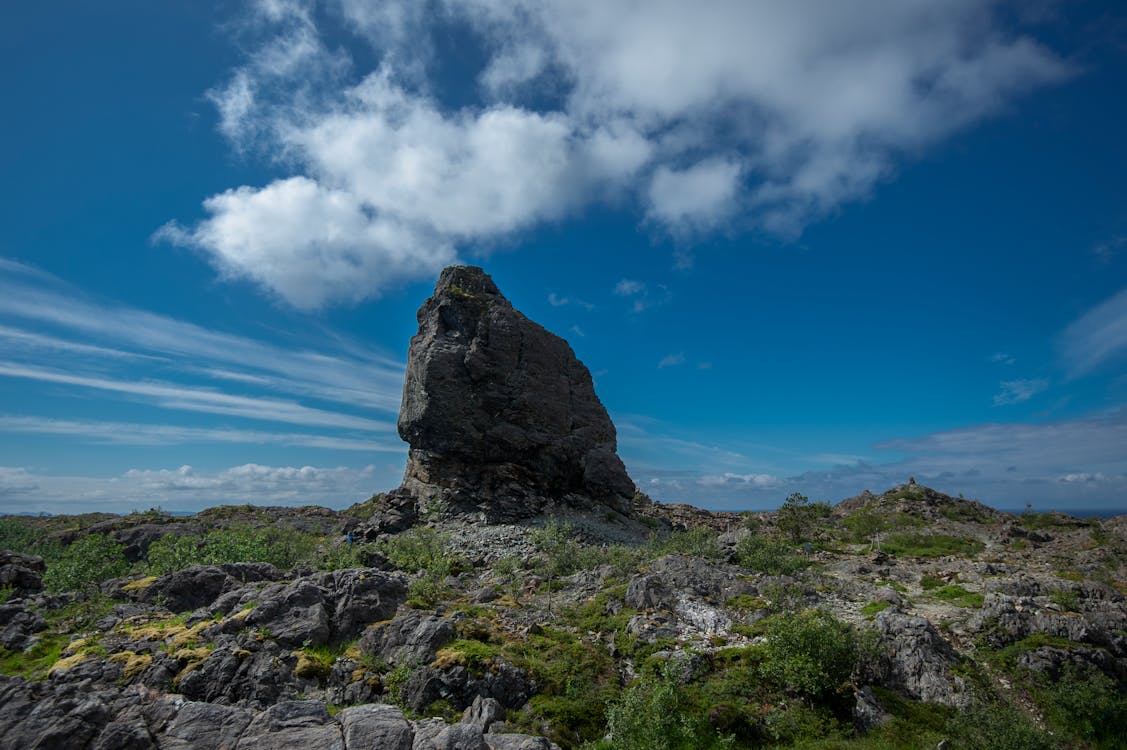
500 415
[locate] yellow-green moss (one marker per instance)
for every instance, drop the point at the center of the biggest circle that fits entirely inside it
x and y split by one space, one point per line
67 663
132 663
139 584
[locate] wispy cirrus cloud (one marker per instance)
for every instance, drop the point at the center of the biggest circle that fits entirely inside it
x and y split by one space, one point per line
1097 337
711 116
1019 391
133 433
314 390
184 398
345 373
184 488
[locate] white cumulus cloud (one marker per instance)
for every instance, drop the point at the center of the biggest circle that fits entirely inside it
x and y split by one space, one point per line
701 116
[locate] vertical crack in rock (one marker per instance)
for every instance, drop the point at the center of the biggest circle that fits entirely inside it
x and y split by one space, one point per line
500 415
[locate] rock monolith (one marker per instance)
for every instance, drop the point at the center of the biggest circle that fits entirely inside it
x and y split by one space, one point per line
500 415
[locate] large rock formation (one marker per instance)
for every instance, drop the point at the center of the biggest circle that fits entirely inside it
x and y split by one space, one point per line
501 417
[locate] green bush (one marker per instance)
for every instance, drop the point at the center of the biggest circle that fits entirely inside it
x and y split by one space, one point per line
417 549
341 557
811 653
622 559
172 552
699 541
576 681
558 548
282 547
1039 521
649 715
769 557
424 553
996 726
1088 705
863 525
86 563
18 535
1067 599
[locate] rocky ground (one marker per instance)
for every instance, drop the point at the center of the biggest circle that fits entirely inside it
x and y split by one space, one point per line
905 619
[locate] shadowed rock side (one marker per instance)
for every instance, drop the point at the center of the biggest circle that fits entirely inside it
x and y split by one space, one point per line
501 417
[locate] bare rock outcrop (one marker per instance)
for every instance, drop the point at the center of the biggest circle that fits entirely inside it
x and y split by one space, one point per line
501 416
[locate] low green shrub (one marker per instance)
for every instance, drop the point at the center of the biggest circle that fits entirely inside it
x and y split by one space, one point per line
33 663
394 681
1040 521
420 548
576 682
1066 599
770 557
559 549
87 562
996 726
650 715
19 535
282 547
173 552
699 541
424 553
873 608
959 596
1086 704
811 653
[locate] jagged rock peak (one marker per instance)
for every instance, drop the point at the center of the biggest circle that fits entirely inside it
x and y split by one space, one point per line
500 415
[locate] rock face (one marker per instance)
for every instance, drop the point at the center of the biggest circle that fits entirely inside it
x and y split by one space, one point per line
501 417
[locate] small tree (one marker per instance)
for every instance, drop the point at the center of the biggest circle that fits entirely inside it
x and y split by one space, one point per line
796 516
558 552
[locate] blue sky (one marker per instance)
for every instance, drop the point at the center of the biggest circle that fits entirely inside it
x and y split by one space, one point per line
814 246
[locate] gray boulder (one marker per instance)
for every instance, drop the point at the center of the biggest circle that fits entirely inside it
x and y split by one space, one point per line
917 661
186 589
518 742
33 716
434 734
483 712
203 725
459 686
412 637
376 727
238 675
18 625
501 417
292 725
22 572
